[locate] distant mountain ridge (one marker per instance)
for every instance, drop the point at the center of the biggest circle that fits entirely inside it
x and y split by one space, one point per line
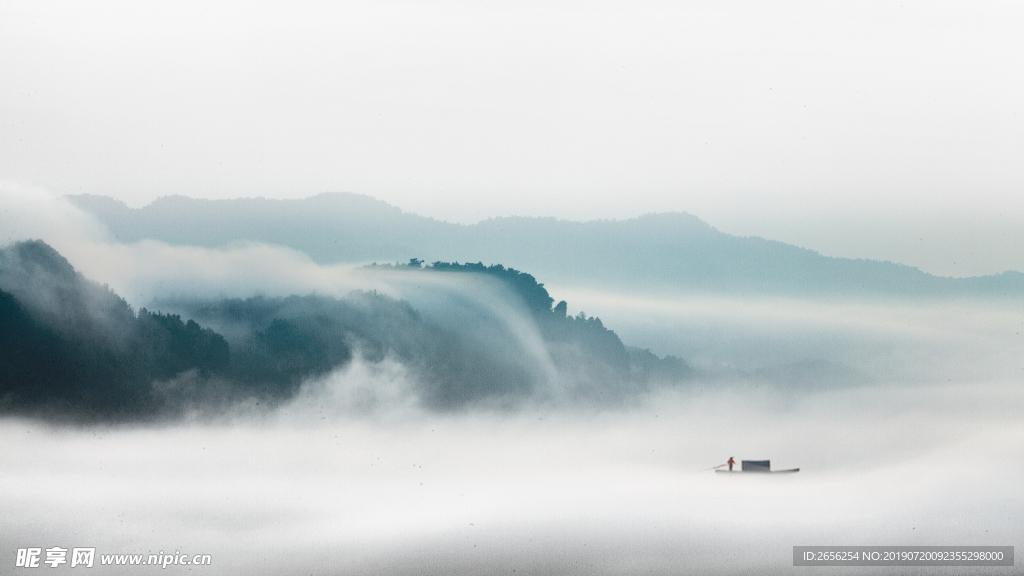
655 252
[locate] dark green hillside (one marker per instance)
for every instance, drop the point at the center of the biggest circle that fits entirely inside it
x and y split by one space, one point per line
73 349
70 346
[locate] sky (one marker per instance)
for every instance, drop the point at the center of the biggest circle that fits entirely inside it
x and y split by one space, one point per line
862 129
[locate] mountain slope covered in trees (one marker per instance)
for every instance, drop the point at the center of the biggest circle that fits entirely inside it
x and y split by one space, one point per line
70 347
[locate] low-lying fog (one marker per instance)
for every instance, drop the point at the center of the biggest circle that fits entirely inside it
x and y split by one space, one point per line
860 341
309 491
331 484
904 418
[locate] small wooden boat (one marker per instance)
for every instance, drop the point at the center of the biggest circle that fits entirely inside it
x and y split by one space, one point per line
757 467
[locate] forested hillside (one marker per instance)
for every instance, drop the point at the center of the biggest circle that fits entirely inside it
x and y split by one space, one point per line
70 347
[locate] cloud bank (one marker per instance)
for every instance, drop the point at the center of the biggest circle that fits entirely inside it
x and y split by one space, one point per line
903 417
540 492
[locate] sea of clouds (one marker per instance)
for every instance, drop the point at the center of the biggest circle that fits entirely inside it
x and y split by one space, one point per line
904 417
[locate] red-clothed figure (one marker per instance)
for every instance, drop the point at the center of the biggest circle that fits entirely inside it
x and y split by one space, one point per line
730 463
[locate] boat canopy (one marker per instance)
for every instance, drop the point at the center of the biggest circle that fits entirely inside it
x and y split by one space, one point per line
757 466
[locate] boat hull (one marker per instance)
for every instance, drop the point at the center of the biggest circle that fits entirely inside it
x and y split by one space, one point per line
748 472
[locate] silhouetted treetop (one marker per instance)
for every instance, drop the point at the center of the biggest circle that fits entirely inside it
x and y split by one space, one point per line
533 293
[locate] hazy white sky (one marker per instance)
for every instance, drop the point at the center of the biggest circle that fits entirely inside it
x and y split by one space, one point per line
865 129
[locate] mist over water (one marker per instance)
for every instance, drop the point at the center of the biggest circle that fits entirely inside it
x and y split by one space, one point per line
539 492
903 416
353 476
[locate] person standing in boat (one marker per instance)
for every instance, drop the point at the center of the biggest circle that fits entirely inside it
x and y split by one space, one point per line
730 463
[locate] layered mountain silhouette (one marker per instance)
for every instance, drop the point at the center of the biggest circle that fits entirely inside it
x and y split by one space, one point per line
657 252
71 348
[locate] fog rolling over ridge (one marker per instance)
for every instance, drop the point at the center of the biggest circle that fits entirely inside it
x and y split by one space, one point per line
487 336
654 253
466 419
